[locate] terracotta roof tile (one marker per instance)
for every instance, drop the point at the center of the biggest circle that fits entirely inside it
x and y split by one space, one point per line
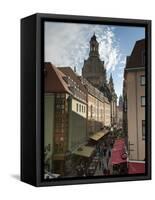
54 81
70 73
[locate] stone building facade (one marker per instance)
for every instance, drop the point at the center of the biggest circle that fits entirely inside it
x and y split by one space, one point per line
99 108
120 113
95 72
93 69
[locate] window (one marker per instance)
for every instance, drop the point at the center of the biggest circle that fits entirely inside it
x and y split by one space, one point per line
143 129
101 113
143 101
80 108
91 111
77 106
142 80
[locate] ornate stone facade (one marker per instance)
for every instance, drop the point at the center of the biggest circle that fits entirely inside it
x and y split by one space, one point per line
93 69
95 72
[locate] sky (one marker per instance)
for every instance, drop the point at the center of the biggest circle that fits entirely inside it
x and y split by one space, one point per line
67 44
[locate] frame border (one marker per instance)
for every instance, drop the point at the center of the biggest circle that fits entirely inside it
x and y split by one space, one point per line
39 44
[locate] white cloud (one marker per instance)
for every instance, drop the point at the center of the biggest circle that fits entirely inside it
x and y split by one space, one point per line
67 44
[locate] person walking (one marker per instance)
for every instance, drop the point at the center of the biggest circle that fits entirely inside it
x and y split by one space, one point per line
100 164
104 152
105 172
109 153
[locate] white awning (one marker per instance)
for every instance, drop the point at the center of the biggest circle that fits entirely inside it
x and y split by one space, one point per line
98 135
85 151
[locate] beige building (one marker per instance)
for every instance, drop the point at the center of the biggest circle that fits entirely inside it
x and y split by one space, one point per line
107 114
119 117
99 109
120 113
134 101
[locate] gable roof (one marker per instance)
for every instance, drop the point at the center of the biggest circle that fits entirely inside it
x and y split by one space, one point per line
54 81
136 57
70 73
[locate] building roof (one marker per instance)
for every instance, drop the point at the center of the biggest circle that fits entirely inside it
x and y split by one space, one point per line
54 79
63 80
71 74
136 59
93 90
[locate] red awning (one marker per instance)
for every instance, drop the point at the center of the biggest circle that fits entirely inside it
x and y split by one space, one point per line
136 167
118 152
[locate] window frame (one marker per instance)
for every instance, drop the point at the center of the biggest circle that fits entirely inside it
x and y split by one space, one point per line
141 83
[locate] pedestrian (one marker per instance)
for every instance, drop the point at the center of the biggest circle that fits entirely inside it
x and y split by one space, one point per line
104 152
100 164
105 172
109 153
108 172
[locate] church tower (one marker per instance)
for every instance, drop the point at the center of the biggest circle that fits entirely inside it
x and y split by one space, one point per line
111 84
94 47
93 69
113 101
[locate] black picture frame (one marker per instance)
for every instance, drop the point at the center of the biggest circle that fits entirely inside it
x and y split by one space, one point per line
32 101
